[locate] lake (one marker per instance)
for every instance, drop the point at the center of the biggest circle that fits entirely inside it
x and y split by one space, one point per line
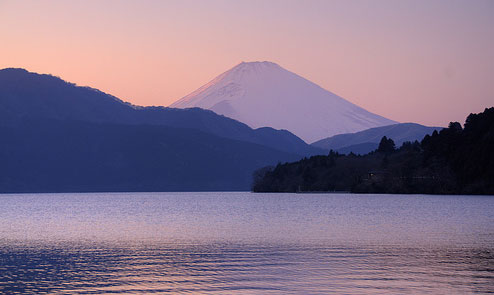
245 243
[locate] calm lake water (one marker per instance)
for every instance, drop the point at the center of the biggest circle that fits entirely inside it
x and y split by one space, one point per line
244 243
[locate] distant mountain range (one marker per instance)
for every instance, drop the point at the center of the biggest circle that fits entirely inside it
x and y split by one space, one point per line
264 94
368 140
57 136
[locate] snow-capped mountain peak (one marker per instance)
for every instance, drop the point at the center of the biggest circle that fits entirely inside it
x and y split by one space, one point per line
263 94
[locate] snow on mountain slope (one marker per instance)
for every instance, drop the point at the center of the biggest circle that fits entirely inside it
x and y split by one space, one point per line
264 94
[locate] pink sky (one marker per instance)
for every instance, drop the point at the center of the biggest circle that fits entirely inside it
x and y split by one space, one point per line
428 62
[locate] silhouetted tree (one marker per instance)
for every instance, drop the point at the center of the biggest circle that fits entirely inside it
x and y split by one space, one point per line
455 126
387 145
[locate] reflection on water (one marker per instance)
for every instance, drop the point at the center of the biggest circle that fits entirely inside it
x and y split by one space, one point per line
241 243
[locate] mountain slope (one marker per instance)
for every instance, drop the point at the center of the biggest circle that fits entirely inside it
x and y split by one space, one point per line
366 141
44 155
264 94
27 95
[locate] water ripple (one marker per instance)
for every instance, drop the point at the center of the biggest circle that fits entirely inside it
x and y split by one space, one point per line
245 244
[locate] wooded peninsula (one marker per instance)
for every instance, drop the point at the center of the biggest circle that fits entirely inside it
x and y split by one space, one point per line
456 160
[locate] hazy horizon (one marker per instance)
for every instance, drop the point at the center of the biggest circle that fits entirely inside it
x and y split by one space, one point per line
409 61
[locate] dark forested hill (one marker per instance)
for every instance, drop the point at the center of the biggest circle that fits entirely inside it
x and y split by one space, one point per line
455 160
55 136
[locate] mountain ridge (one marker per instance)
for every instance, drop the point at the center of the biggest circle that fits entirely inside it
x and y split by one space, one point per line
26 93
365 141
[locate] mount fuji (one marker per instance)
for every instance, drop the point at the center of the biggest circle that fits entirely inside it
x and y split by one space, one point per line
263 94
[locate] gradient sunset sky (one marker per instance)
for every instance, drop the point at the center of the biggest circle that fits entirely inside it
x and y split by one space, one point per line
428 62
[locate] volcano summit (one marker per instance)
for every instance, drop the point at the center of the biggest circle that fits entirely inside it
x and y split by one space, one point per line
264 94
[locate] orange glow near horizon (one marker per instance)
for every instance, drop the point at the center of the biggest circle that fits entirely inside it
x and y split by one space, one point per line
411 61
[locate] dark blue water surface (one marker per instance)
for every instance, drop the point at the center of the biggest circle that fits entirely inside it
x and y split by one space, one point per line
244 243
